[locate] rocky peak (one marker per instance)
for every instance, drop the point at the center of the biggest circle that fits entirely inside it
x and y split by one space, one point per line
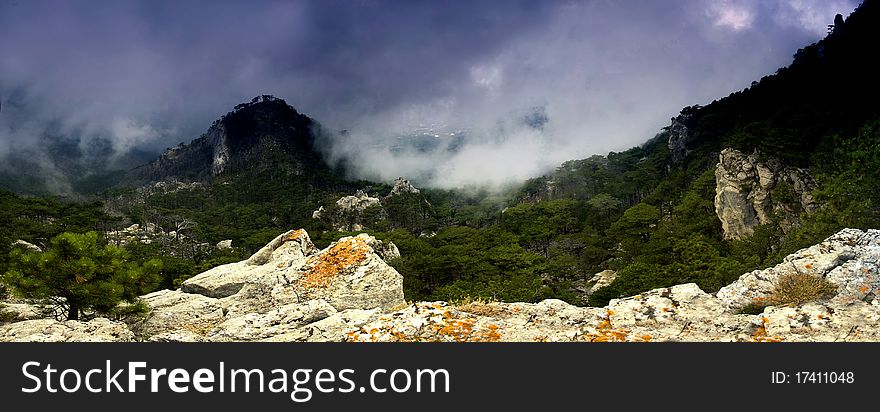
401 186
752 190
261 134
679 134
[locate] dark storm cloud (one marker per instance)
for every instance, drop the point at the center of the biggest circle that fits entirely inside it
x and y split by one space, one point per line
607 74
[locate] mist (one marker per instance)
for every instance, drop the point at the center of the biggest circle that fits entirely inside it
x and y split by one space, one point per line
599 75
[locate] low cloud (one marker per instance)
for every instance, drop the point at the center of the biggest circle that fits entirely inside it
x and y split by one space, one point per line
604 75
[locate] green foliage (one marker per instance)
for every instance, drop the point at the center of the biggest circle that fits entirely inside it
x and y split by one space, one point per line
80 275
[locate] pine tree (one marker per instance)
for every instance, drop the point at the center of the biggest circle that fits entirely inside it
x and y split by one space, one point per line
80 275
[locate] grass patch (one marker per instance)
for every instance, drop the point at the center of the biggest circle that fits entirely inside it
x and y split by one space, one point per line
792 289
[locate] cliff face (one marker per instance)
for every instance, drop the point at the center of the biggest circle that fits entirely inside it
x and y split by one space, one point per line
679 134
289 291
752 191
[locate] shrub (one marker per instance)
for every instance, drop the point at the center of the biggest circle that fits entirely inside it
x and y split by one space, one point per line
795 288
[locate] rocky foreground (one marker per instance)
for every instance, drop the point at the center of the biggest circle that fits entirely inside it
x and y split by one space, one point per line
289 291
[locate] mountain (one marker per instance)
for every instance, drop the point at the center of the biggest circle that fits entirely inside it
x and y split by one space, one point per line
263 134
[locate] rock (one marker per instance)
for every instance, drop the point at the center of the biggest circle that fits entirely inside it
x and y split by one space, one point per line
348 274
182 335
402 186
745 190
15 312
346 292
172 311
27 246
357 203
286 250
283 320
285 286
600 280
49 330
849 259
348 213
224 244
335 328
679 134
318 213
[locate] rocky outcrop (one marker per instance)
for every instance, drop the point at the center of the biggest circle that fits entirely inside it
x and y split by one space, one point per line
290 292
402 186
285 286
600 280
752 191
354 213
224 244
26 246
49 330
678 136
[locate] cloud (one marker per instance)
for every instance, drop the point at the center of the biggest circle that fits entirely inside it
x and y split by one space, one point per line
731 14
605 75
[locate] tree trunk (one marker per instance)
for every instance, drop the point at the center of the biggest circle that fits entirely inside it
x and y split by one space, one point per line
72 312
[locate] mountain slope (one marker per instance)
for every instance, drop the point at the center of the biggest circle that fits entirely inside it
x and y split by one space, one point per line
256 136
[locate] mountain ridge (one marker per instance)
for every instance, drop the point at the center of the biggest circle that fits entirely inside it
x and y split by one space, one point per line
264 133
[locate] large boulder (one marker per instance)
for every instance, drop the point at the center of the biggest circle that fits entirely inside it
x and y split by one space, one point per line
286 285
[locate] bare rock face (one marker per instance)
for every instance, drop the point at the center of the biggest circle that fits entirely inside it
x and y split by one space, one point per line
678 137
402 186
287 249
173 310
50 330
751 191
600 280
347 215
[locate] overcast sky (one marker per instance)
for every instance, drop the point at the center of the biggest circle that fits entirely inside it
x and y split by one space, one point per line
608 74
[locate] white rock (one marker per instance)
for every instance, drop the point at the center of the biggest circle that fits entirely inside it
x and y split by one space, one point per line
49 330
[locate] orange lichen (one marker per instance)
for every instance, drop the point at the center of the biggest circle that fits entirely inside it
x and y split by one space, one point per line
444 326
761 335
294 235
323 268
647 338
605 331
808 266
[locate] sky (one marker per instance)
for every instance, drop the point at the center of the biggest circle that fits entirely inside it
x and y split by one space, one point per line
599 75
